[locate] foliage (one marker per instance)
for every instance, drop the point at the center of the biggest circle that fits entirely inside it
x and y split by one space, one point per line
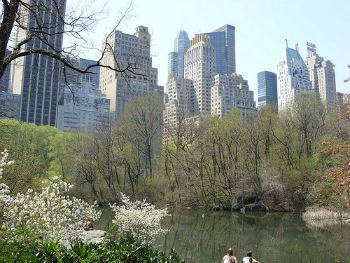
31 149
4 189
139 219
280 160
126 249
52 213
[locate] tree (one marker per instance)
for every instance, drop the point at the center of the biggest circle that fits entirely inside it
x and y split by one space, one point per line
30 17
308 116
143 121
348 79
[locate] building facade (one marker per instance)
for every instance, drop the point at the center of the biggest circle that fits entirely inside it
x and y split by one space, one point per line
82 107
130 54
9 105
5 79
73 77
36 77
173 60
200 67
322 77
177 57
327 84
293 77
179 103
267 88
224 42
229 92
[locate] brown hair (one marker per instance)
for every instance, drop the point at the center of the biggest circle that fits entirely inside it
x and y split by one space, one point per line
230 252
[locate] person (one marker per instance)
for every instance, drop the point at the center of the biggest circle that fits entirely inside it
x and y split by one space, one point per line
249 258
89 224
229 257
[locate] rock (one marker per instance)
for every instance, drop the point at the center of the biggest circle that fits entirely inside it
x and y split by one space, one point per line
93 236
347 221
255 208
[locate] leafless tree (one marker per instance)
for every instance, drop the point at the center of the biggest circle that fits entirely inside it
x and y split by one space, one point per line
348 79
29 18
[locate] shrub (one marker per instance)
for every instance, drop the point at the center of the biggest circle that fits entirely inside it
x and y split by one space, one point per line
124 250
139 219
52 213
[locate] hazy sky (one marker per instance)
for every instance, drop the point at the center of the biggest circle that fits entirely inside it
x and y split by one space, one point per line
261 27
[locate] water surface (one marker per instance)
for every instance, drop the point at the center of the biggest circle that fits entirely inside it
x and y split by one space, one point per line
203 237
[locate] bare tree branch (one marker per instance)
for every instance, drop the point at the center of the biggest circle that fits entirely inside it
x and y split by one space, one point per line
29 17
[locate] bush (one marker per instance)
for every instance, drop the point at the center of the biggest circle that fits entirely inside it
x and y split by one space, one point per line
139 219
124 250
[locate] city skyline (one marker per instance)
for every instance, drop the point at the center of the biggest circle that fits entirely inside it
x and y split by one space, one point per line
261 27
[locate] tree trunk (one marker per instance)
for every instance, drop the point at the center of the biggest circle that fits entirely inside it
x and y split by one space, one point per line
10 14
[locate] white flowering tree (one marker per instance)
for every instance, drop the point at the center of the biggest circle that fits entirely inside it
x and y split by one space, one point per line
139 219
4 189
51 213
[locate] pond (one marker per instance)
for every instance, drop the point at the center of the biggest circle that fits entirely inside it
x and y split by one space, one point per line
203 237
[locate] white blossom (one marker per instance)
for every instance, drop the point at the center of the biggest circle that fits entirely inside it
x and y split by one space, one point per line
140 219
4 189
50 213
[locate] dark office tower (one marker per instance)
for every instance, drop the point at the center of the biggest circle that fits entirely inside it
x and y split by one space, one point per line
223 41
267 88
36 77
5 79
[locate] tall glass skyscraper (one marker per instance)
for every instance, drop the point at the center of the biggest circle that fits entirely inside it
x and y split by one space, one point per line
223 40
176 58
173 62
267 88
36 77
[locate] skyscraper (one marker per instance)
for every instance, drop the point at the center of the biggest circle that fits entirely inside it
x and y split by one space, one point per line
322 76
223 40
173 64
293 77
200 66
72 77
177 57
5 79
229 92
36 77
131 55
82 107
267 88
327 86
179 103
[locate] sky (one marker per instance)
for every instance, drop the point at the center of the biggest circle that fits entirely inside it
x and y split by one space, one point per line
261 27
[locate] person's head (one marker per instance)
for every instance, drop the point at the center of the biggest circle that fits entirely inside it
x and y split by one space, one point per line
249 254
230 252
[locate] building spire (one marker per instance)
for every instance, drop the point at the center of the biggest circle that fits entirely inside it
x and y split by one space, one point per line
286 41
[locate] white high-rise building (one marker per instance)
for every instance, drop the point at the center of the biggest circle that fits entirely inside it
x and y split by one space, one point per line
326 83
82 107
200 66
131 55
293 77
179 103
229 92
322 77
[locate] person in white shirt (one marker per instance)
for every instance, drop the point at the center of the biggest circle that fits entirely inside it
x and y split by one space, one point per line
249 258
229 257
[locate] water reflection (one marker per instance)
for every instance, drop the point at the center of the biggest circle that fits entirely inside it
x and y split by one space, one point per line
205 236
